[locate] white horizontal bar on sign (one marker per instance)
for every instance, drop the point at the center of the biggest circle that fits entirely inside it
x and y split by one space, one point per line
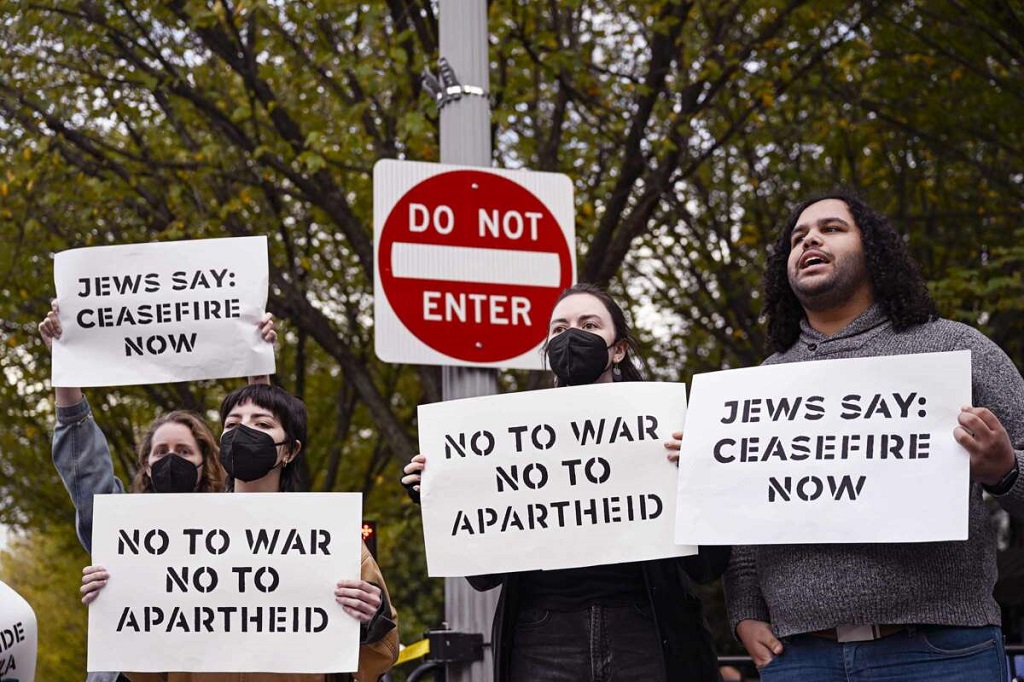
469 264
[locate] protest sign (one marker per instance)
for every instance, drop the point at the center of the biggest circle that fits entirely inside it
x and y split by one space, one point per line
851 450
159 312
562 478
18 637
225 583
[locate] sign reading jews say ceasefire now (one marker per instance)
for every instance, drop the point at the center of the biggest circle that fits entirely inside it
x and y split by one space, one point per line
469 262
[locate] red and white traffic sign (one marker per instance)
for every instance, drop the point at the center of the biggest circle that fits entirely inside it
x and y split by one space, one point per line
468 262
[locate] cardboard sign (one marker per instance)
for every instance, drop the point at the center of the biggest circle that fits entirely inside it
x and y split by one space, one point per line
854 450
161 312
225 583
18 637
561 478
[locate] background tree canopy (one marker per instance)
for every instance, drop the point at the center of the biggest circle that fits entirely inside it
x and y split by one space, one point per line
688 128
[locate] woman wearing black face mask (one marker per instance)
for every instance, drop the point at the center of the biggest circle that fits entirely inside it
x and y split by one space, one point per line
635 621
265 430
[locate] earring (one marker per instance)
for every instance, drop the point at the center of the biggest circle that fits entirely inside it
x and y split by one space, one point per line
616 371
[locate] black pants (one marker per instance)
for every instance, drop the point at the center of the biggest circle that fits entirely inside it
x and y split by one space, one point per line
598 644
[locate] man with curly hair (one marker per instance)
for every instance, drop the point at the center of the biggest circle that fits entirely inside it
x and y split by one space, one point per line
841 284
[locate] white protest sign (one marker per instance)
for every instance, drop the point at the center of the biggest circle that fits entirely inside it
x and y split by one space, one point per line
843 451
18 637
161 312
225 583
560 478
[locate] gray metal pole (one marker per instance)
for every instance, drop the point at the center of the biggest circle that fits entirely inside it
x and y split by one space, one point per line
466 139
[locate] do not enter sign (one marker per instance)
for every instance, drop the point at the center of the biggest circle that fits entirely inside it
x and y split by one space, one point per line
469 262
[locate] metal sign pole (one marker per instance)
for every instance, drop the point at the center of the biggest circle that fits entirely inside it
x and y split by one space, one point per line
466 139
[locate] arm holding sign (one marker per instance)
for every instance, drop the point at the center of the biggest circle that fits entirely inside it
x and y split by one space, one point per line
992 431
378 633
82 458
268 334
80 451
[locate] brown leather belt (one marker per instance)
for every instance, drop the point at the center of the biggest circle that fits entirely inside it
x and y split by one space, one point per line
863 633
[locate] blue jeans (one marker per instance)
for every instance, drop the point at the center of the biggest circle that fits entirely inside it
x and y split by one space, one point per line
925 653
598 644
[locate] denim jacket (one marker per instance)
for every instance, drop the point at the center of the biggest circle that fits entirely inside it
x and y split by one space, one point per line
82 458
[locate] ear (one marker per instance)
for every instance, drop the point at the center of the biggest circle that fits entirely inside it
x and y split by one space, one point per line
294 451
619 351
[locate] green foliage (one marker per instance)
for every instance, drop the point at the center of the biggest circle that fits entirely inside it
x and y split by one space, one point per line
688 128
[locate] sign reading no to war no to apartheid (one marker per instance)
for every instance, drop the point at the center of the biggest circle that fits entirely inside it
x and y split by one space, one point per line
241 583
851 450
469 262
559 478
161 312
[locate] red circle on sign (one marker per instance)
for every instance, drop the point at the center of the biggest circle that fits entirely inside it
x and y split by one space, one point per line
442 270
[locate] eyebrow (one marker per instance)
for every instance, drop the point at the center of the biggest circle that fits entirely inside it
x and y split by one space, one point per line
582 318
234 413
803 227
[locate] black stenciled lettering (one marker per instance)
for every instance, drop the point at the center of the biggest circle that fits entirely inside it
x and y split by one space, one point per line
751 410
813 408
517 432
733 407
878 405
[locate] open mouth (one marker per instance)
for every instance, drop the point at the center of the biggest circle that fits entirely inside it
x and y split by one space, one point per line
811 259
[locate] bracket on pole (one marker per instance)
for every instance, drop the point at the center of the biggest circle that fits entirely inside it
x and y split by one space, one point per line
448 89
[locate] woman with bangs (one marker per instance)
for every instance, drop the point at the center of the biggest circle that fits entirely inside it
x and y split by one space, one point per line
263 441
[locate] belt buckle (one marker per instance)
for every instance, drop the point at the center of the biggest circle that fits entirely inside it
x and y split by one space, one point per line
857 633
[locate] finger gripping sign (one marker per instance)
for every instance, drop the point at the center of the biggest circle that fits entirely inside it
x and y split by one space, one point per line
18 637
242 583
161 312
849 450
561 478
469 262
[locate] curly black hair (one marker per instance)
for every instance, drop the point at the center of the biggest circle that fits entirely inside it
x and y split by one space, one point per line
897 283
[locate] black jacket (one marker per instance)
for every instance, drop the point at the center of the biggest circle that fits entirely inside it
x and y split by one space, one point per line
686 643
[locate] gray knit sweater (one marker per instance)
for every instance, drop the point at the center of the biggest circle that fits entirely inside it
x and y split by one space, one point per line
803 588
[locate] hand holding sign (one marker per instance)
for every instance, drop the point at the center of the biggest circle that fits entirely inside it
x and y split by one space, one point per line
674 446
358 598
94 579
983 436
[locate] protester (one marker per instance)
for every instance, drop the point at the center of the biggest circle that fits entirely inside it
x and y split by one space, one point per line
264 437
632 621
840 284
